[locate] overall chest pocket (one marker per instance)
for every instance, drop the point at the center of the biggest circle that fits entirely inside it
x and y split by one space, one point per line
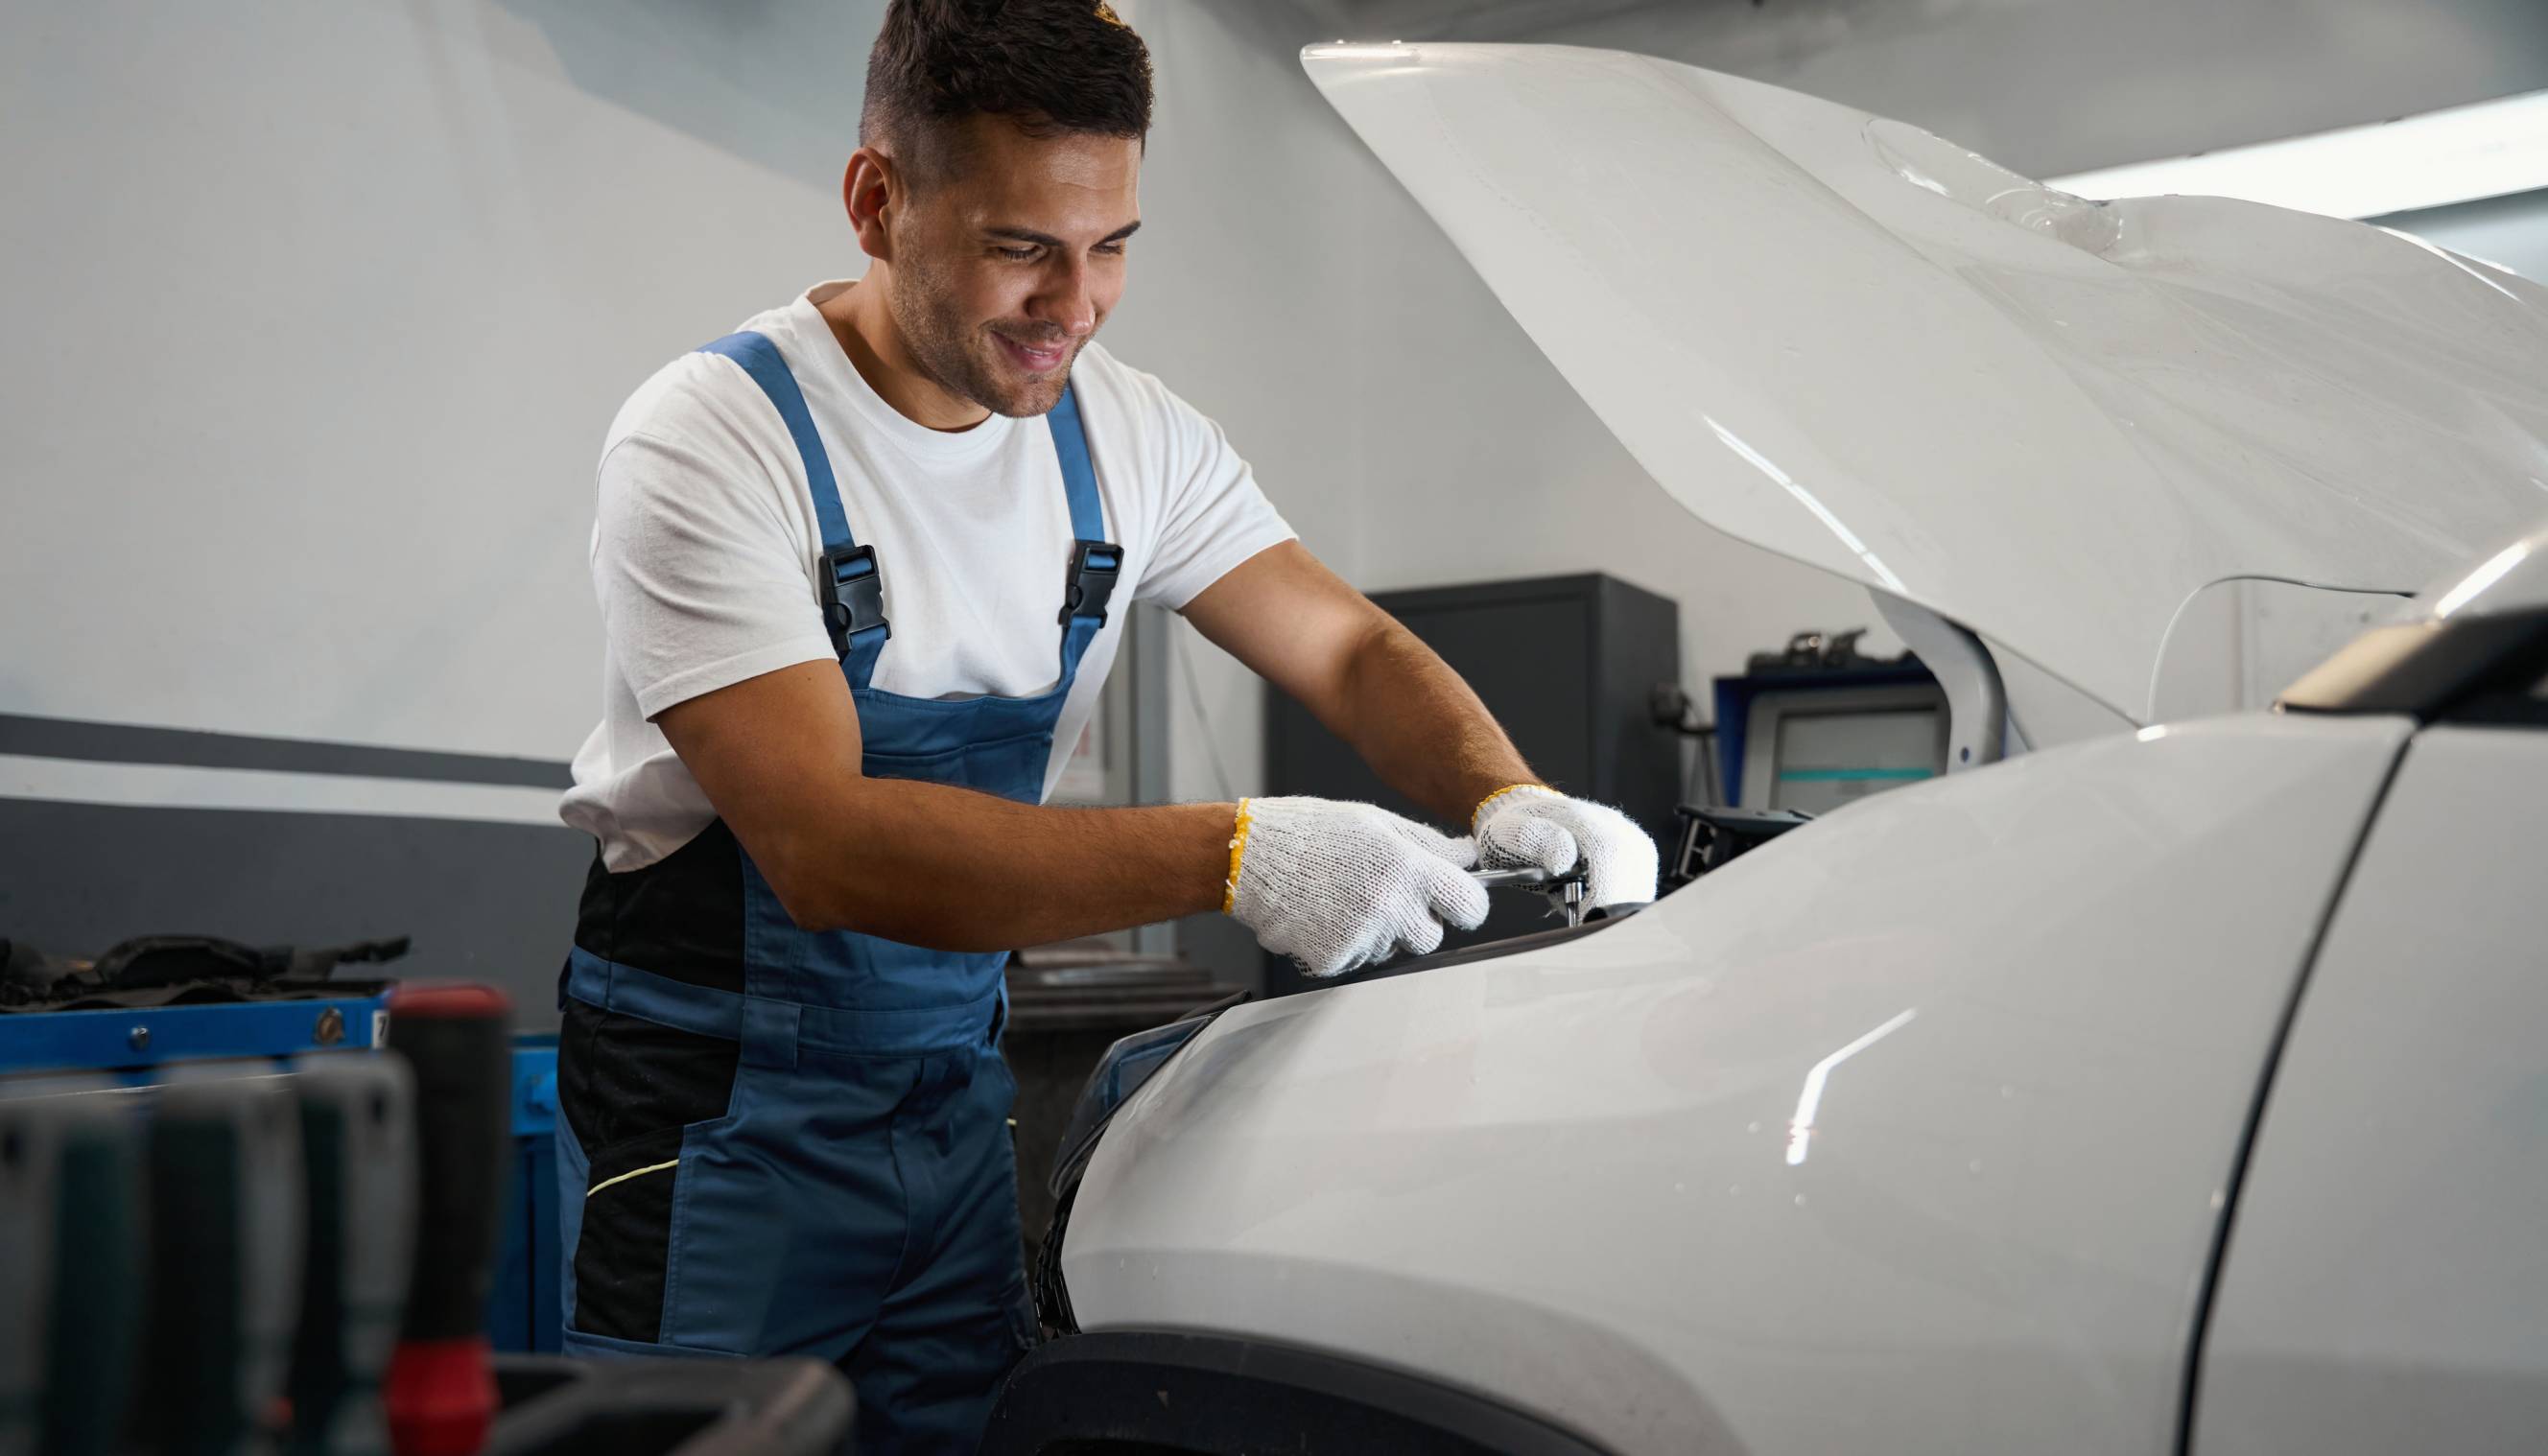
1011 765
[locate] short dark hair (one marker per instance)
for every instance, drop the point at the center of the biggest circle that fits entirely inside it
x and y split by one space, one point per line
1045 66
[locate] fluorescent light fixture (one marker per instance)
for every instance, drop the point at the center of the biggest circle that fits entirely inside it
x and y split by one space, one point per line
1358 50
2460 155
2494 570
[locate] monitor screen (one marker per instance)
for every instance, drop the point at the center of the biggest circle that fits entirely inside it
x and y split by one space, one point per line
1824 759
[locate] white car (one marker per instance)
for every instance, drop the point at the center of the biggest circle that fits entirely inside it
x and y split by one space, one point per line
2159 1087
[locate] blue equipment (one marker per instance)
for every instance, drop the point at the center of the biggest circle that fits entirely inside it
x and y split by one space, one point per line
524 1313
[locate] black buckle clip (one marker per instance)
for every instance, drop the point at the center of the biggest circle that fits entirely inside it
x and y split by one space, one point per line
851 586
1094 564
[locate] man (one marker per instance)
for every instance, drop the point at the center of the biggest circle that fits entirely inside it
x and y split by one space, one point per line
862 564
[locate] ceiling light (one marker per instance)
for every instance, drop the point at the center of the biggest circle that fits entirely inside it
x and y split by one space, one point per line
2466 152
1358 50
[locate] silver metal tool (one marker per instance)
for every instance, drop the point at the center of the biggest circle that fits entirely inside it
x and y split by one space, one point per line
1564 892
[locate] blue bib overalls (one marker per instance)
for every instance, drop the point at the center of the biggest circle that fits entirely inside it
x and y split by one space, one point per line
783 1142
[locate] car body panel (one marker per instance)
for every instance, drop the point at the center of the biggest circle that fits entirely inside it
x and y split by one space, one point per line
1906 1130
2050 420
2388 1265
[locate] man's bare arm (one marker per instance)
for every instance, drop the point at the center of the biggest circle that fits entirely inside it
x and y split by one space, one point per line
1368 679
926 864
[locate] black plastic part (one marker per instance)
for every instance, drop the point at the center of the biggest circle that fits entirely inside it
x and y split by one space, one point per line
1091 583
161 960
1122 1392
147 961
462 1060
554 1407
1597 920
1713 836
81 993
1045 1283
2505 708
851 586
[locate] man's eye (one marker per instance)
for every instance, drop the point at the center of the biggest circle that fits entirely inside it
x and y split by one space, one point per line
1108 250
1016 254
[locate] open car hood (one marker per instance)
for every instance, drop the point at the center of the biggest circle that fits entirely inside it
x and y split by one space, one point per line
2050 420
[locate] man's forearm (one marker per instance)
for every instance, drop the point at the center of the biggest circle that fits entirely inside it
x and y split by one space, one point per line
952 869
1421 728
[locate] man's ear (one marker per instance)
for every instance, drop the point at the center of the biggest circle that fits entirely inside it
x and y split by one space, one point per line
871 188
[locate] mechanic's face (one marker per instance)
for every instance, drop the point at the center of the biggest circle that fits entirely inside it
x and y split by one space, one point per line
1002 269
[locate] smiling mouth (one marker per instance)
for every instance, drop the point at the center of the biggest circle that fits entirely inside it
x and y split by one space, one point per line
1035 359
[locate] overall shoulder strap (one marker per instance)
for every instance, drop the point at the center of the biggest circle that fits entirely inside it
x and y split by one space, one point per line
1095 561
1078 475
847 577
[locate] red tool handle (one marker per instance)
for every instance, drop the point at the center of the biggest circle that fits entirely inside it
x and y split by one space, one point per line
457 1040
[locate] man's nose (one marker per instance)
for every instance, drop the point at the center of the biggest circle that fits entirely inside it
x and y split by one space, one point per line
1066 300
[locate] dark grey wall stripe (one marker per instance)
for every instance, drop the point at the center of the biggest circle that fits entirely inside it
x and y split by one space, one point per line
485 903
126 743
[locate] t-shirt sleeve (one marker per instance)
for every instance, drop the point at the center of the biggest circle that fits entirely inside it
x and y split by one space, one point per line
1215 518
702 577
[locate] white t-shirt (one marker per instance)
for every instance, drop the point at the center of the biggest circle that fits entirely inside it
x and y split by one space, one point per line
705 540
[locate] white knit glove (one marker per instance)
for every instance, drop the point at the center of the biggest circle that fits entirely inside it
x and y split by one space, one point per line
1530 824
1335 885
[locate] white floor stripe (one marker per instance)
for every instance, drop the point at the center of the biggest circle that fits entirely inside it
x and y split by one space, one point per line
174 786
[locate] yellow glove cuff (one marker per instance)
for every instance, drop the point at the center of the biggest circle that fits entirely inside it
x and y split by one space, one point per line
1237 850
1480 811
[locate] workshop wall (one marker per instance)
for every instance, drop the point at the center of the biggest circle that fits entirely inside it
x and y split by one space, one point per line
322 307
321 310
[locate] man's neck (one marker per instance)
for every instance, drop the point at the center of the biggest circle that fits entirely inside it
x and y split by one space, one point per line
866 329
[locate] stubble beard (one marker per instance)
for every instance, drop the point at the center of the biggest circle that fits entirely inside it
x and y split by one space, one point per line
956 357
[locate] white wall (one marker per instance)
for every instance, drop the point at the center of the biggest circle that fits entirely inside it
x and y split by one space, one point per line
318 310
1244 300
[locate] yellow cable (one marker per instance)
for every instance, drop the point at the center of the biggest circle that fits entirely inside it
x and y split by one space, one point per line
631 1174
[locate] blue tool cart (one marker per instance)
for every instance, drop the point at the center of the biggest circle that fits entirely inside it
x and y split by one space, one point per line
524 1313
133 1043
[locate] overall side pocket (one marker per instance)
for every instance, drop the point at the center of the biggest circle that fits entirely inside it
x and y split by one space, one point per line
631 1091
